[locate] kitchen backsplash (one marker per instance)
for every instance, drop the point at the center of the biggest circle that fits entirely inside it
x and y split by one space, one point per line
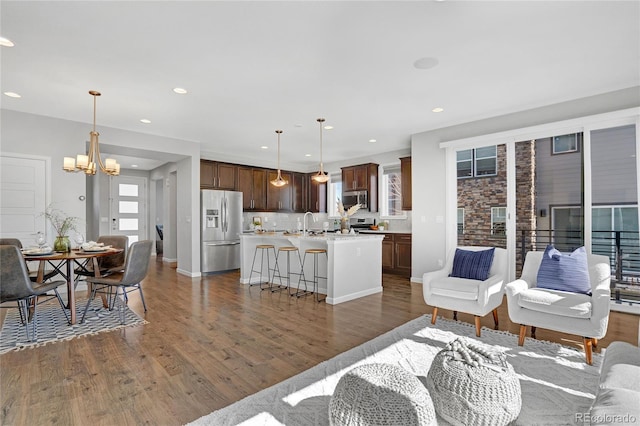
289 221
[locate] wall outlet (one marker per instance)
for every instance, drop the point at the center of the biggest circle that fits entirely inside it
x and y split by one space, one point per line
440 263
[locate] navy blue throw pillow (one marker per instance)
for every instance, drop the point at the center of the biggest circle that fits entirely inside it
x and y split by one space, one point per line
473 265
564 271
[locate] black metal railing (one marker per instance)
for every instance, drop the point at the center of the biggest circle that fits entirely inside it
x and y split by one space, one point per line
622 248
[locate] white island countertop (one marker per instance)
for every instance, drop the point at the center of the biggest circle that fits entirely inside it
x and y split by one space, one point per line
353 265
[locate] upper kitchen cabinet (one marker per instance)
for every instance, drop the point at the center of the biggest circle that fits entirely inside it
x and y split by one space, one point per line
356 178
215 175
317 201
252 182
363 177
299 192
405 173
279 198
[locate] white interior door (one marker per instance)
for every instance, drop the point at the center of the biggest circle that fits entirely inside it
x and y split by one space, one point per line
23 198
129 207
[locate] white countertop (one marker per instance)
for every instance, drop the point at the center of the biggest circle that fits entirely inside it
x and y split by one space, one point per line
386 231
328 236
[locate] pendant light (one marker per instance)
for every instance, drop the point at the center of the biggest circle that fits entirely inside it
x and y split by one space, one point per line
87 162
321 176
279 181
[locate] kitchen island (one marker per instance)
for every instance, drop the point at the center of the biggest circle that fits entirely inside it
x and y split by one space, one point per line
353 265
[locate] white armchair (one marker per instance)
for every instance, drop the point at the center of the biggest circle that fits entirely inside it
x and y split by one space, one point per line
467 295
574 313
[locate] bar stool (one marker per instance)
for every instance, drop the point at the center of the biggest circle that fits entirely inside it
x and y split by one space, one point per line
264 251
288 250
315 252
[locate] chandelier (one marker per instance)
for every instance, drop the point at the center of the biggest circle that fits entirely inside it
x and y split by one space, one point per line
279 181
87 162
321 176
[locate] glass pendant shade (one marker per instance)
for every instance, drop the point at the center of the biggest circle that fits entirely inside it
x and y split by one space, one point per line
321 176
279 181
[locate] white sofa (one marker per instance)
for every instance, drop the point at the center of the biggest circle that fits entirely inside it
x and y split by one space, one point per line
466 295
618 397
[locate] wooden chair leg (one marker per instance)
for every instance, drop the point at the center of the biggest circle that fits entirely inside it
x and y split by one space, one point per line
523 332
477 321
495 318
595 343
434 315
588 349
533 332
455 315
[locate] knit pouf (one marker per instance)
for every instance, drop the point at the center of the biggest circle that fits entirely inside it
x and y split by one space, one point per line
472 386
380 394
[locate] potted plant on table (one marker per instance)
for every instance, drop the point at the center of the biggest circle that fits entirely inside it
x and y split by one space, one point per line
62 224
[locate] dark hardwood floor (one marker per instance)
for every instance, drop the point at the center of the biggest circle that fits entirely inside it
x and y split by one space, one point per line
209 342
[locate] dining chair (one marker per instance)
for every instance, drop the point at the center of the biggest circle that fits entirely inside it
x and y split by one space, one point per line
135 270
18 287
33 275
107 264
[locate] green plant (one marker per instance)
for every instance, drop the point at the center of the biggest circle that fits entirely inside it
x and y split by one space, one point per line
60 221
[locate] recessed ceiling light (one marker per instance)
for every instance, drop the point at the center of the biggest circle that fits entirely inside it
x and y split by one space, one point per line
6 42
328 127
264 147
307 155
437 109
12 94
134 165
373 140
425 63
180 90
145 121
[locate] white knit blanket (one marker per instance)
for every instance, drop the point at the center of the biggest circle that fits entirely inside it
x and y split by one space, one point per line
557 385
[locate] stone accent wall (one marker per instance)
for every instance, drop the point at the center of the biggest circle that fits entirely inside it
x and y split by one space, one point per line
478 195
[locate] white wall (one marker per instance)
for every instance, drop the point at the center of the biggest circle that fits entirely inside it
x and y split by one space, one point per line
429 166
55 138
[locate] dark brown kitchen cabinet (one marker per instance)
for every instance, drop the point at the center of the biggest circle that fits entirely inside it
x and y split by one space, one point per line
252 182
317 201
405 179
396 254
215 175
279 198
363 177
299 193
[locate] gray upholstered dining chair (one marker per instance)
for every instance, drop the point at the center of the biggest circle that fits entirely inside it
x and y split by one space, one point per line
135 269
33 275
107 264
18 287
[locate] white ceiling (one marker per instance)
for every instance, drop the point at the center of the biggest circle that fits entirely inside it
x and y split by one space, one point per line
253 67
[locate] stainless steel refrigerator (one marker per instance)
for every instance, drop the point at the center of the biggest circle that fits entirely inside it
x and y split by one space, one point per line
220 229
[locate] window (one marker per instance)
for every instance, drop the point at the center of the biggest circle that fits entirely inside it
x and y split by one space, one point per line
334 191
391 192
499 221
477 162
565 143
460 221
567 224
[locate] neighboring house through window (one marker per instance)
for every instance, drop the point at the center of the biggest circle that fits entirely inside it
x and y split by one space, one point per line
498 221
565 143
477 162
460 220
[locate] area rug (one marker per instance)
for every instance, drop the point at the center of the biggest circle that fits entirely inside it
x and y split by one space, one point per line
557 385
52 325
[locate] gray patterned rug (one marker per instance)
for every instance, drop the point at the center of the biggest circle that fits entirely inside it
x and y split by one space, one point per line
52 325
556 382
